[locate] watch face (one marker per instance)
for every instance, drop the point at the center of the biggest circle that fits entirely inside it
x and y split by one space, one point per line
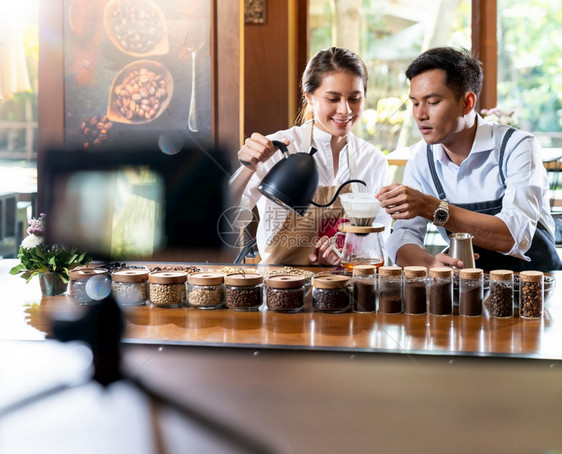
441 216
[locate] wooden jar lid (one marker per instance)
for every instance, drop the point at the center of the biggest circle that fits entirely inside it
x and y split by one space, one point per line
167 277
286 281
83 274
130 275
243 279
441 271
331 281
415 271
206 278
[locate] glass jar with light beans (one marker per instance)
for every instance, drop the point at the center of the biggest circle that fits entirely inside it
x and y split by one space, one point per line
206 290
167 288
130 287
243 291
78 284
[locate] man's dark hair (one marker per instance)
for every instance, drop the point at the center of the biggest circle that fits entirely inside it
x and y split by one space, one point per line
463 71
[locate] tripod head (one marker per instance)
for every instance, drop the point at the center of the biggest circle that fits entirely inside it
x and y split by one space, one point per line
101 329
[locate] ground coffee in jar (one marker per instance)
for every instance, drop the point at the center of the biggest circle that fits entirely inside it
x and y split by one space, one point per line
205 290
441 291
243 291
285 293
500 299
531 294
389 290
364 294
167 288
471 291
130 287
415 290
330 293
78 284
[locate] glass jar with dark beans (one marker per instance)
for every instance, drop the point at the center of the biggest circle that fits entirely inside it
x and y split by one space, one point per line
130 287
471 292
243 291
330 293
364 295
390 289
415 290
531 294
441 290
285 293
500 299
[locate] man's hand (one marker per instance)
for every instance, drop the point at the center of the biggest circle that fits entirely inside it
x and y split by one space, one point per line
404 202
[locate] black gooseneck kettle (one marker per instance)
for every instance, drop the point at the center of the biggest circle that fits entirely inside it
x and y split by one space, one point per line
293 181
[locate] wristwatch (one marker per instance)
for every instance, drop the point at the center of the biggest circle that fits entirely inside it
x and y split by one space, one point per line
441 214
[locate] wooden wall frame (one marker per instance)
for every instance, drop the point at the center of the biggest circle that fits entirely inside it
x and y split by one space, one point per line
226 52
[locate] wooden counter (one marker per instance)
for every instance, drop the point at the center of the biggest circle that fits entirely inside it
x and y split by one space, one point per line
25 316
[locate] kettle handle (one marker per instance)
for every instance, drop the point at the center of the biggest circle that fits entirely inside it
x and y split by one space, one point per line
278 144
337 193
333 244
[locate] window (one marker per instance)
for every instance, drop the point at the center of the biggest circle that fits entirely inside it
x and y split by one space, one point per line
529 36
388 35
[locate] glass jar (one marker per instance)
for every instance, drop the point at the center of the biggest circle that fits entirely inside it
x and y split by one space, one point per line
441 290
285 293
389 290
415 290
330 293
500 299
205 290
130 287
243 291
78 288
471 292
167 288
364 288
531 294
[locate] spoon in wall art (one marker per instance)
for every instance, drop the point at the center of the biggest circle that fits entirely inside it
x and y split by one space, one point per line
193 41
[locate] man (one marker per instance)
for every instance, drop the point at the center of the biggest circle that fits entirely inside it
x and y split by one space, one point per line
462 179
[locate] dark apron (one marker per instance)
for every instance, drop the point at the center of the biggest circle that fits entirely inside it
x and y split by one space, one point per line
542 252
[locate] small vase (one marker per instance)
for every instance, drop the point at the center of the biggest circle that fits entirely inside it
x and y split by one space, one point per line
51 284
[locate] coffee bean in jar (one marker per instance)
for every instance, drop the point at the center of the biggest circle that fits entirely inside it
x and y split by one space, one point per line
243 291
390 289
330 293
206 290
471 292
167 288
500 299
415 290
531 294
285 293
78 288
130 287
441 290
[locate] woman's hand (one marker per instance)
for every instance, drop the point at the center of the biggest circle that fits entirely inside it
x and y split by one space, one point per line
324 255
256 149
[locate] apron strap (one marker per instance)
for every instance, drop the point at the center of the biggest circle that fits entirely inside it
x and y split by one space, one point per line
352 164
434 176
506 137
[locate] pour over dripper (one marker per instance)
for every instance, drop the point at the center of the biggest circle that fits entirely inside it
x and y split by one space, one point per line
361 208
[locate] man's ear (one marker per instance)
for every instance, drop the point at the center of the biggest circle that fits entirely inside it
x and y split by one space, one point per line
469 102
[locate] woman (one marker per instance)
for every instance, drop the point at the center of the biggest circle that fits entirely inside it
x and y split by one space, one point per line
334 84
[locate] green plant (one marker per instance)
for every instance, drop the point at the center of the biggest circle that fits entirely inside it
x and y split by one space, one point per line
37 257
